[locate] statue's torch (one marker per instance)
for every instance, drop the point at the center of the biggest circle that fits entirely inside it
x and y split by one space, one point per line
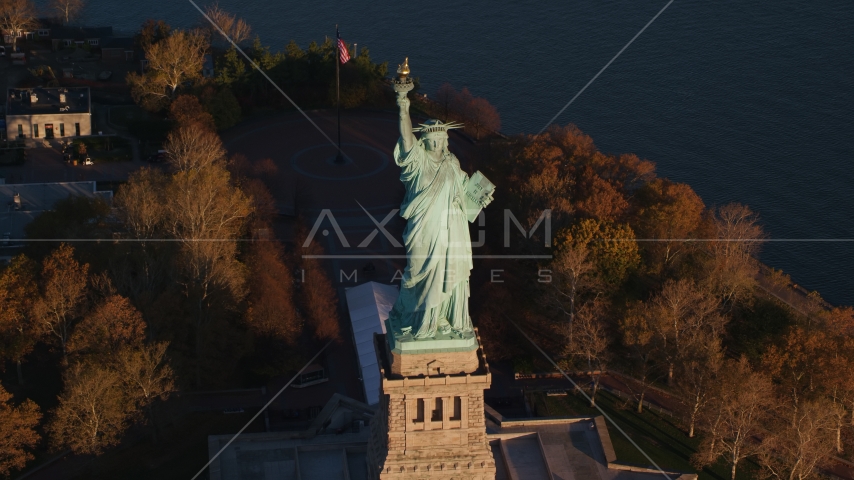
403 84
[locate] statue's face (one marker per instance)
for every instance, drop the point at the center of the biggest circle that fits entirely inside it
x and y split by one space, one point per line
436 143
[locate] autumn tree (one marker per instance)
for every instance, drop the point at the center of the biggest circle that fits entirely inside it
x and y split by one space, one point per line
460 104
667 216
67 10
187 110
798 364
590 342
192 148
172 61
598 198
19 331
17 17
151 32
18 435
62 292
108 328
795 449
271 311
483 117
93 409
742 402
318 298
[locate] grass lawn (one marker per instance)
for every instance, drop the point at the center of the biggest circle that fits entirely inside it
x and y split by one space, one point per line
664 441
123 115
107 148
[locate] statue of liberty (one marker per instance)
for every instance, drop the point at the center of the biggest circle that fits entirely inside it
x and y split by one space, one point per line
437 206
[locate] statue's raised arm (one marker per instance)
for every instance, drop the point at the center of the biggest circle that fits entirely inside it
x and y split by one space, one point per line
402 85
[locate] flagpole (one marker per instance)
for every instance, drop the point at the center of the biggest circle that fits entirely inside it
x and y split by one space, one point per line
338 158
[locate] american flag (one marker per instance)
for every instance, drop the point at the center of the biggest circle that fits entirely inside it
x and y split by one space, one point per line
343 54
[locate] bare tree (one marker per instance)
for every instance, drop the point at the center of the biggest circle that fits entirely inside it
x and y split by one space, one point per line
445 98
638 336
16 18
235 28
93 411
483 117
63 289
18 435
733 273
591 342
67 10
206 213
743 400
572 270
176 59
139 203
795 450
148 377
698 375
685 316
192 148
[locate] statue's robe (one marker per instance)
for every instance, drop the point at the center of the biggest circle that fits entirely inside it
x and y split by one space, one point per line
434 290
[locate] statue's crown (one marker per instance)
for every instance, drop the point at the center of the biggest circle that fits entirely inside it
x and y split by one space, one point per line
436 126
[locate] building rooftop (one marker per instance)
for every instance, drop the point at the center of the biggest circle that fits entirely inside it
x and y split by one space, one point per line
40 100
35 198
334 446
80 33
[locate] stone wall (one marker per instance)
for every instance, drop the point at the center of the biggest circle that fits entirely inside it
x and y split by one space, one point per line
56 119
432 426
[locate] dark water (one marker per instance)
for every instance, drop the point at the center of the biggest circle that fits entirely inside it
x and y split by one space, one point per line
747 101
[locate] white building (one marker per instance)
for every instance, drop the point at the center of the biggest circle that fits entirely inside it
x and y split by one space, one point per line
48 112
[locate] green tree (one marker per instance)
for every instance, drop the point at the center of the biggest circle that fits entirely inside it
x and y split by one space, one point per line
612 248
223 107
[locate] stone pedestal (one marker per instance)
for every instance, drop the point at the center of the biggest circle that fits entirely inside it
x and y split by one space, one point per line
430 425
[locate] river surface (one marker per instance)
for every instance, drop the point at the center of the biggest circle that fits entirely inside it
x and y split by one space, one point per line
748 101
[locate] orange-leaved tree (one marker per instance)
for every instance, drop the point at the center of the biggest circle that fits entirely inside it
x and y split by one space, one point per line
19 331
18 435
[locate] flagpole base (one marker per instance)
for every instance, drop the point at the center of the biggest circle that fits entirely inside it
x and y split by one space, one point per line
339 159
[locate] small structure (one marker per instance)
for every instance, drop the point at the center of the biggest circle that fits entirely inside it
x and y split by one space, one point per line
79 37
48 112
369 304
117 50
333 446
